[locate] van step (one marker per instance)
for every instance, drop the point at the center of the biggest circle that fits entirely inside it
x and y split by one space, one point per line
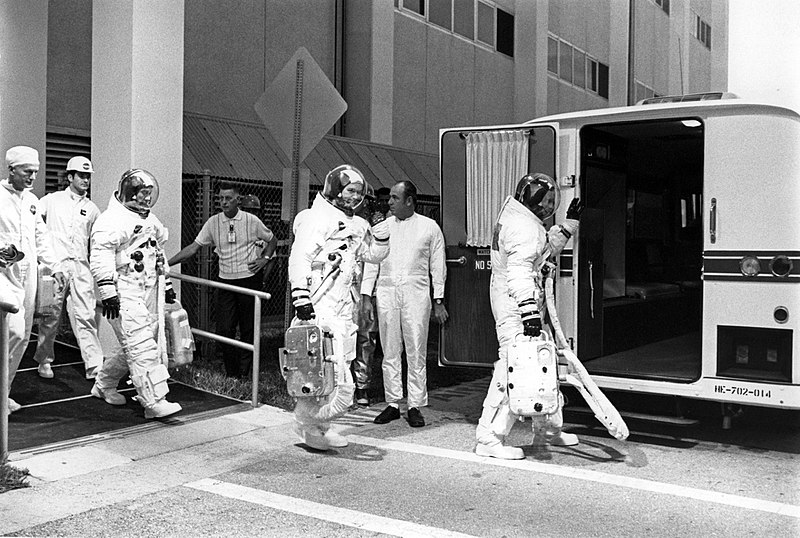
663 419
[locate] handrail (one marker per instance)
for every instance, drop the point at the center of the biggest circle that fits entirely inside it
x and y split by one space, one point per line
5 309
255 347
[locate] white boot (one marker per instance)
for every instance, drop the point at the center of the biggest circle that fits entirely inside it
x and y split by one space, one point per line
563 439
312 437
336 440
500 451
161 409
111 396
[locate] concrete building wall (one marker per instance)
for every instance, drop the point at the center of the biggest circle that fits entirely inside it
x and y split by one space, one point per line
69 64
235 49
404 78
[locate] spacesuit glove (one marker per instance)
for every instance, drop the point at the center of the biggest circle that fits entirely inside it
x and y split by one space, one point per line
380 231
170 296
111 307
575 209
304 312
532 326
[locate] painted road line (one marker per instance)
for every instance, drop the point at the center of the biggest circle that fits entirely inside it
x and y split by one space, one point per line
325 512
663 488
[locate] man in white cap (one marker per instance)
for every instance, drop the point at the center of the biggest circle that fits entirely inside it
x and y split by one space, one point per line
22 226
69 215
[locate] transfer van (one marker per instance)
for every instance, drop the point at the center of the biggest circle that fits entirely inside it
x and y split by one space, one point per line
684 277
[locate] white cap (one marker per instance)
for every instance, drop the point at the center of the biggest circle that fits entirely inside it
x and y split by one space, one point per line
22 155
80 164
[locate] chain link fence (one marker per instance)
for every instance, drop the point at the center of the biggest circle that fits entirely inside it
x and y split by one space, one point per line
200 201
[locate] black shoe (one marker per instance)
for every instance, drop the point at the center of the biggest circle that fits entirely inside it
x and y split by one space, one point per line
415 419
362 398
387 415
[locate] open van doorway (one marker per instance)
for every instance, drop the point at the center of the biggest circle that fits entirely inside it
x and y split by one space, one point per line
641 250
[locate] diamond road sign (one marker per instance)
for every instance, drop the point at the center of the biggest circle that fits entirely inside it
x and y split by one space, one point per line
321 104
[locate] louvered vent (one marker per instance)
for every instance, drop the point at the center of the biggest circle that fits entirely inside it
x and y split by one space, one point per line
63 144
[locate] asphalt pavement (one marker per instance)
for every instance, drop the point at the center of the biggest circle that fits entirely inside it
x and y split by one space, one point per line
241 472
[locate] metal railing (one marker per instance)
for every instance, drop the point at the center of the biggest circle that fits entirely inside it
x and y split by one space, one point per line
5 309
255 347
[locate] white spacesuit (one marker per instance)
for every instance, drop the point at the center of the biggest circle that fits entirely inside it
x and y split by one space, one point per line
127 248
518 246
22 227
70 214
330 243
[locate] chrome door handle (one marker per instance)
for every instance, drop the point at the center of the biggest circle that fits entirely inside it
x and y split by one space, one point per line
712 221
457 261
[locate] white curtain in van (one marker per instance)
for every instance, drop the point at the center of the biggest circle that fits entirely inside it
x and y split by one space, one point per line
496 160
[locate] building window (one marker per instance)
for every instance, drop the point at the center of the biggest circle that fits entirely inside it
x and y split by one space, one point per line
485 24
579 69
440 13
464 18
574 66
565 61
505 32
552 55
663 4
476 20
643 91
701 30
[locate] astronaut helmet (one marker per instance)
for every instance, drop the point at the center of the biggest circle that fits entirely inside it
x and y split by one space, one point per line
539 193
345 188
138 191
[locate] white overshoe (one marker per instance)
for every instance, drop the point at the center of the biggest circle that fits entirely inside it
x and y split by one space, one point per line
45 371
161 409
499 451
13 406
313 439
336 440
563 439
111 396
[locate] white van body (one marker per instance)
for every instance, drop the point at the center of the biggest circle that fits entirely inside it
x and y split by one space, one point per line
684 277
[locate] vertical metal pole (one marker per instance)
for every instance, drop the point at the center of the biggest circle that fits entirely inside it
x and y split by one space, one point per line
4 388
204 293
256 348
298 116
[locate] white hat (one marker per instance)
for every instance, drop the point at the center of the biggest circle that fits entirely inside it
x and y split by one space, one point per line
22 155
80 164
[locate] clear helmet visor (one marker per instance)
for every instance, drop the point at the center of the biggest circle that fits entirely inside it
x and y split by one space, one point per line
539 193
138 191
345 187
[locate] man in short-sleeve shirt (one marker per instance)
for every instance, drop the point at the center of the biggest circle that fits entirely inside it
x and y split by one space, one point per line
244 246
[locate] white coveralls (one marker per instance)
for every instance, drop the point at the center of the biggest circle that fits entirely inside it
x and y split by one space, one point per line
118 233
319 231
69 218
22 225
403 295
517 247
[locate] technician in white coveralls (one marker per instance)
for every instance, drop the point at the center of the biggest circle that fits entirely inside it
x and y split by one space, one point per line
516 293
69 215
414 269
127 248
329 245
24 241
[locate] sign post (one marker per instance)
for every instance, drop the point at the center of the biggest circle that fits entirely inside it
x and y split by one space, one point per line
298 108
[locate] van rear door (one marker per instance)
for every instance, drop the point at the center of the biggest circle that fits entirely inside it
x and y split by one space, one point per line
468 338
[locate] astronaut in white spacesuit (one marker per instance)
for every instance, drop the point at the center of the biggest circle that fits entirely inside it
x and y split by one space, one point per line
330 243
126 259
518 246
